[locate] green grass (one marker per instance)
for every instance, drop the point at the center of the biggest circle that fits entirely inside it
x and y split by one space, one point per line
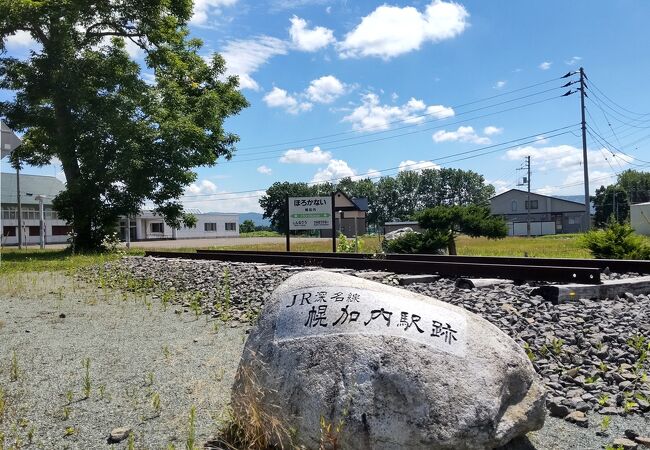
552 246
556 246
261 234
368 244
14 260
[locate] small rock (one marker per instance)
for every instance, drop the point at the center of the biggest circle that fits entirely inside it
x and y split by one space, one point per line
625 443
610 410
631 434
558 410
643 440
118 435
579 418
61 316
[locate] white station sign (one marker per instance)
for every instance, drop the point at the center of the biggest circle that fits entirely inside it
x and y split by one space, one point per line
310 213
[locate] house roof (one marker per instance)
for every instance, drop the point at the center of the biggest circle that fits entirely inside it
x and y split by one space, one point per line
538 195
359 203
29 184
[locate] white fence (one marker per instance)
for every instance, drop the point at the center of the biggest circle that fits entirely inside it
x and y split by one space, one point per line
536 228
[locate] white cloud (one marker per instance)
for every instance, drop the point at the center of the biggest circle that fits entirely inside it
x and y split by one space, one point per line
545 65
264 170
302 156
201 188
204 8
500 84
371 115
133 49
492 130
325 89
573 183
371 173
244 57
416 166
566 158
500 186
573 60
279 98
462 134
336 169
390 31
541 139
20 40
226 202
309 40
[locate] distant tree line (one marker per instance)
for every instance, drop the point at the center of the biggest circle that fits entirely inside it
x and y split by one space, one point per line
631 187
389 198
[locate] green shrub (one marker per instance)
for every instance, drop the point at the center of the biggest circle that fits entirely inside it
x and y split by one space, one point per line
428 242
616 241
345 245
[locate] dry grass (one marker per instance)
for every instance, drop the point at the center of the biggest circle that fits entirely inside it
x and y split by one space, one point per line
367 244
556 246
249 425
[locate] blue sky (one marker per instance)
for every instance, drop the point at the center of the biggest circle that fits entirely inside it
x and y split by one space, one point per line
342 88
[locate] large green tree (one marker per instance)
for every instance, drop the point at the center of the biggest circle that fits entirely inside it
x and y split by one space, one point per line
82 100
610 201
636 184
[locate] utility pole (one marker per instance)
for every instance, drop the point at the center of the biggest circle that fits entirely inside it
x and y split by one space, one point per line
585 166
20 208
526 181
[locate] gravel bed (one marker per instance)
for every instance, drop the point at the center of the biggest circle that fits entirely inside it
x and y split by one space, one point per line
136 352
592 355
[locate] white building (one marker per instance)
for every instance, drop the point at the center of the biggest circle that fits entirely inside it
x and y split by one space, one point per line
640 218
149 226
56 230
145 226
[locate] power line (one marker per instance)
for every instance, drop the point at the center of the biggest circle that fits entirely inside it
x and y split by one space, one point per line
591 83
410 118
401 167
276 153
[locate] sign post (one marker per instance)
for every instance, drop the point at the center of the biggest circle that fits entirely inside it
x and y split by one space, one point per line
333 224
310 213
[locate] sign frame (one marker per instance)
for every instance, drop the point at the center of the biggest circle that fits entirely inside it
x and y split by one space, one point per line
288 219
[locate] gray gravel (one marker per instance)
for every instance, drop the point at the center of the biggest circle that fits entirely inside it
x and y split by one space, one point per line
583 350
135 351
124 340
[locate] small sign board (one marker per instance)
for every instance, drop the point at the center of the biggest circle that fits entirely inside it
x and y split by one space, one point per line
310 213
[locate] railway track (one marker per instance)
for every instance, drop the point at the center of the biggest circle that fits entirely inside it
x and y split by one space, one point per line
584 271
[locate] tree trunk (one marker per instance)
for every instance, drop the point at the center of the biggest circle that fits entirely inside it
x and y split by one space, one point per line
451 245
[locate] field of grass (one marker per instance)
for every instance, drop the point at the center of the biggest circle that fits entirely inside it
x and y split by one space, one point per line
260 234
553 246
558 246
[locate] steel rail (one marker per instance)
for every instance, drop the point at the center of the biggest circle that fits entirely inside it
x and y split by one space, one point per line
586 275
614 265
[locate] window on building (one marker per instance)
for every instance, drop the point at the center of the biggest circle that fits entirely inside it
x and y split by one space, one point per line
34 230
231 226
60 230
157 227
573 221
210 226
534 204
514 205
9 231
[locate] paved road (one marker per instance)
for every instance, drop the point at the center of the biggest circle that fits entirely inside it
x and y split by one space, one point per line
228 241
204 243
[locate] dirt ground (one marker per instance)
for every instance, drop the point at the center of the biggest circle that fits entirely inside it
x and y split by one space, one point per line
148 368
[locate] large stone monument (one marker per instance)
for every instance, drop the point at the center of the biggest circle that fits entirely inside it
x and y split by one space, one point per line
341 359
